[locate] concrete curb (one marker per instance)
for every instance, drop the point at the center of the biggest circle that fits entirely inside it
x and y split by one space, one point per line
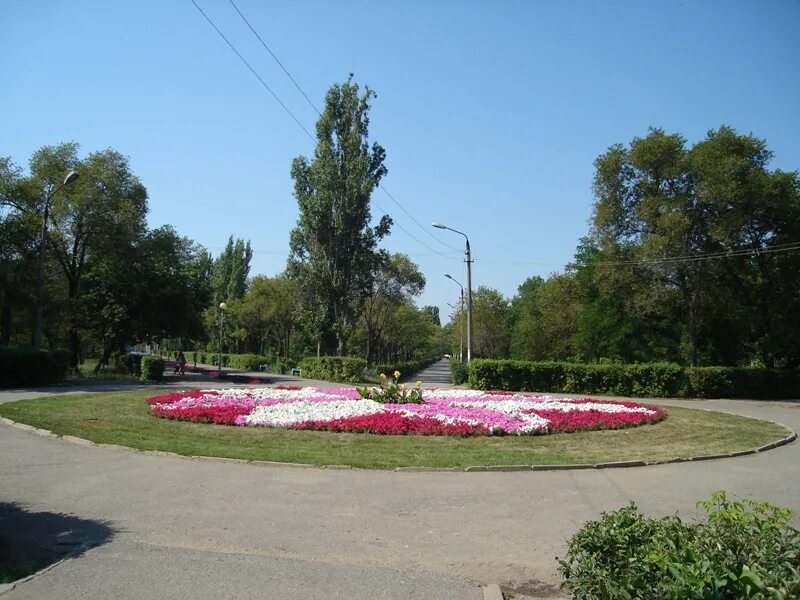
470 469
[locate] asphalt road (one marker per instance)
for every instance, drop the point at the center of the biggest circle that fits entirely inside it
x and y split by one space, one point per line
184 528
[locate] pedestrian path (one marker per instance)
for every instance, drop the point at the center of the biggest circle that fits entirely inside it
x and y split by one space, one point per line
436 375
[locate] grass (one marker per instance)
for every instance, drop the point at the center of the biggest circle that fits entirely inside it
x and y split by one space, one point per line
108 372
124 419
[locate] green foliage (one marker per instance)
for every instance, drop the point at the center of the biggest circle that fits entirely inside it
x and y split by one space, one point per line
745 549
392 392
334 248
334 368
743 382
407 367
458 371
152 368
127 363
655 380
20 367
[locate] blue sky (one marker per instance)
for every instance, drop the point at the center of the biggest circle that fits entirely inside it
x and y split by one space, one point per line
491 113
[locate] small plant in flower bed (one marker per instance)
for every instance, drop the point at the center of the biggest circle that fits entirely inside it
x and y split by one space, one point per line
443 412
392 392
746 549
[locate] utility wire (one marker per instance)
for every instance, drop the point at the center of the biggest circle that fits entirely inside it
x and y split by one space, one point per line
777 248
269 89
312 105
272 54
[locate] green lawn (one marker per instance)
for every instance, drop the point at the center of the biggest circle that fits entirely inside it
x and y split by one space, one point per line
123 418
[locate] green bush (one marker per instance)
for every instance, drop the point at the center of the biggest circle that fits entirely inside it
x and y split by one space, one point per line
407 368
458 372
127 363
20 367
334 368
152 368
745 549
659 380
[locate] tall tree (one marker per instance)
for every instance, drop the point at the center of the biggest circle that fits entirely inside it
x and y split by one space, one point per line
333 249
99 216
230 272
397 282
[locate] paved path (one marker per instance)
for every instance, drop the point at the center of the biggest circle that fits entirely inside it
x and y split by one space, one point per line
193 529
437 375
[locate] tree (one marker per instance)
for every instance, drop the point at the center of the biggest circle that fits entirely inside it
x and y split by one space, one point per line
333 249
662 207
101 215
433 314
490 334
396 283
231 268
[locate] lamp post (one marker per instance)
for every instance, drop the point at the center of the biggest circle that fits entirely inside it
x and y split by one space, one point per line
468 260
37 333
460 328
222 308
460 322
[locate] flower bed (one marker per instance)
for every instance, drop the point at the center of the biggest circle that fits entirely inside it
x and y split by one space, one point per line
442 412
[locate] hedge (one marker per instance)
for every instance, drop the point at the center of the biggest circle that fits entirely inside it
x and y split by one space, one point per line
127 363
660 380
334 368
20 367
152 368
245 362
458 372
407 368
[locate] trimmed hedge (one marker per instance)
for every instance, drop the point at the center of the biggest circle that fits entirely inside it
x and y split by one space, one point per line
458 372
31 367
244 362
407 368
659 380
343 369
127 363
152 368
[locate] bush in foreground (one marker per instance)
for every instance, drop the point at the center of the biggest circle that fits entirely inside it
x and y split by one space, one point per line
745 549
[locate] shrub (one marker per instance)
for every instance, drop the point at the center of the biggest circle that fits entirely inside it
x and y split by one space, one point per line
407 368
152 368
665 380
745 549
19 367
127 363
334 368
458 372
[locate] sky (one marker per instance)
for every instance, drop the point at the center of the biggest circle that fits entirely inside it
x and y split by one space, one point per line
491 113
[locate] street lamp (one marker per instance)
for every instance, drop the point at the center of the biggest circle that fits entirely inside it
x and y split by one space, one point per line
460 322
222 308
468 260
37 333
460 328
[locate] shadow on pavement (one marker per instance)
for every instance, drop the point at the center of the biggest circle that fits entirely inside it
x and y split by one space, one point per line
30 541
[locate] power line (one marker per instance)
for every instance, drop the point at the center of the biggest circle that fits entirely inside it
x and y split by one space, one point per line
272 54
774 249
312 105
242 58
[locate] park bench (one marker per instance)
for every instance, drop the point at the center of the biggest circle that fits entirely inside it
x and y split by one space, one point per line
296 371
265 367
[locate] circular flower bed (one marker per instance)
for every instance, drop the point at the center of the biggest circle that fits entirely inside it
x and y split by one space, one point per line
442 412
